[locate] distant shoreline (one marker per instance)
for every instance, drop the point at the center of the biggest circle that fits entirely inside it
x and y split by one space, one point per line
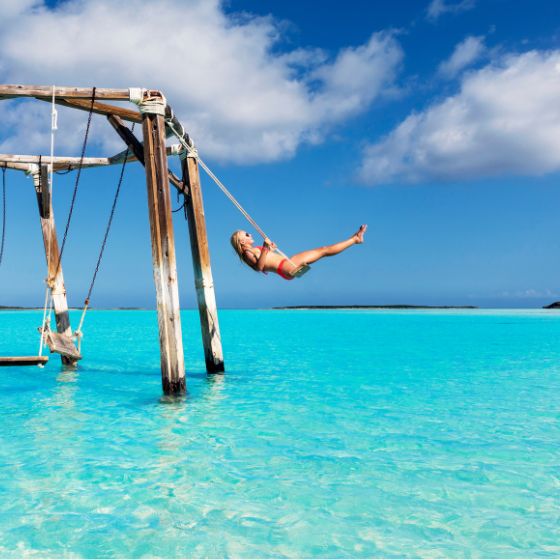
287 307
394 306
19 308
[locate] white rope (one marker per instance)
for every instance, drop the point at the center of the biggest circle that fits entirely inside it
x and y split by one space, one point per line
44 322
192 152
146 104
78 333
48 305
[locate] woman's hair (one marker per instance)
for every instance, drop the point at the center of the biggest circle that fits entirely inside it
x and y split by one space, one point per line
235 241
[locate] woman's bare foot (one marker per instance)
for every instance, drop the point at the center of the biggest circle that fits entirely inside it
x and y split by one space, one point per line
359 235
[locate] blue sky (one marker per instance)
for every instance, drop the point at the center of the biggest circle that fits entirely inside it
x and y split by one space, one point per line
434 122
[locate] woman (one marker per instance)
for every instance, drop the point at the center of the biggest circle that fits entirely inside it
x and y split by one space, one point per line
265 259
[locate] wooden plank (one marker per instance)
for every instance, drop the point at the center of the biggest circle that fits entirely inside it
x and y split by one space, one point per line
100 108
15 166
18 90
23 360
58 160
137 148
62 344
163 256
204 284
50 241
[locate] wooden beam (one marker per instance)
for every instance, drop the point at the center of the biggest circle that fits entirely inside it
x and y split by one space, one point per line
17 90
136 147
56 278
62 163
16 166
163 256
204 284
23 360
58 160
98 108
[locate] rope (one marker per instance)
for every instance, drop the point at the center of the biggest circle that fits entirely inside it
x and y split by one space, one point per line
192 152
47 306
78 333
65 172
46 320
54 128
75 192
3 212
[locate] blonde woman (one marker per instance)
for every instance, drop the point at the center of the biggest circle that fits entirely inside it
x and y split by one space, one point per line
265 259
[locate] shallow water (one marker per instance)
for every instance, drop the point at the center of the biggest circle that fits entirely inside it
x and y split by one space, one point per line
333 434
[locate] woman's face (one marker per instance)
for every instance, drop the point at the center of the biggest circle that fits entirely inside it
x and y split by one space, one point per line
246 238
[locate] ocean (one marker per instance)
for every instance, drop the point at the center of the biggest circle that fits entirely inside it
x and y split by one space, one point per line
333 433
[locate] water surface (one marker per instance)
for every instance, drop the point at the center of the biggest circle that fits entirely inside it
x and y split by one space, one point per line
333 434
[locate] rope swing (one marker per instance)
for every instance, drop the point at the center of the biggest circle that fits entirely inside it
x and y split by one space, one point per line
191 151
3 212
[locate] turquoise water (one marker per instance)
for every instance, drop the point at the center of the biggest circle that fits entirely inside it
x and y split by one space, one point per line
333 434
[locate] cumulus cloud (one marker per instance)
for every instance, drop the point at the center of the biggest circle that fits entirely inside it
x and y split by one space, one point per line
465 53
437 8
504 120
242 98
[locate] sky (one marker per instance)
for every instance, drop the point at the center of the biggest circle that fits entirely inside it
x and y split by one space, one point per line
436 122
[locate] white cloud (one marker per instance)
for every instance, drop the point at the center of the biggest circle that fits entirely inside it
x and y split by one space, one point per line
437 8
504 120
465 53
240 99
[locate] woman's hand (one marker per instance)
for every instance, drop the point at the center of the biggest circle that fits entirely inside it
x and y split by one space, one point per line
269 245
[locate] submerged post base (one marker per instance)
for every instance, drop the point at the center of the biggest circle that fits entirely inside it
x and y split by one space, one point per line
174 387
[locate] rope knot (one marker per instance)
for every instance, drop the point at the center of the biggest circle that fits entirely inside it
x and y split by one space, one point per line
190 152
149 102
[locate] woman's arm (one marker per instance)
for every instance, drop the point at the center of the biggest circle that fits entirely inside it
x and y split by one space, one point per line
262 258
250 259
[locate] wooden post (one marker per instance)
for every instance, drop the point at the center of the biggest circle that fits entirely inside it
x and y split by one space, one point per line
56 278
163 251
204 284
136 148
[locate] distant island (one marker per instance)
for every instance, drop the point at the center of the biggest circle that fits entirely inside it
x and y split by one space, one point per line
20 308
395 306
554 305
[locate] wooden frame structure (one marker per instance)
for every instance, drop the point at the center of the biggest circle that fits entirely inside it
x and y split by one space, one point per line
158 121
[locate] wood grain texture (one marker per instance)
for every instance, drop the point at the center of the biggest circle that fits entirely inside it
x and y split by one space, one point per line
52 254
137 148
23 360
204 284
163 256
18 90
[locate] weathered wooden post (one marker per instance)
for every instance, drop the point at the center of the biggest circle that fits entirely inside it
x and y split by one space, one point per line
55 276
152 107
203 281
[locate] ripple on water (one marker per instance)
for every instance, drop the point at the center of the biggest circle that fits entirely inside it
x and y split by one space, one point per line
333 434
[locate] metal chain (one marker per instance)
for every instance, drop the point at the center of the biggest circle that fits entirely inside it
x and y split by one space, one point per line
78 174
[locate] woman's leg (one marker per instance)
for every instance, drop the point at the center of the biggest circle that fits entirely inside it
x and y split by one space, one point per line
313 255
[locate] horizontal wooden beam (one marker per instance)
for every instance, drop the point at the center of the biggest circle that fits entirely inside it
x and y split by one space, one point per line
99 108
15 166
57 160
17 90
60 162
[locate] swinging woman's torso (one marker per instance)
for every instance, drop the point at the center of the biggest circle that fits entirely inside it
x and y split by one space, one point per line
274 262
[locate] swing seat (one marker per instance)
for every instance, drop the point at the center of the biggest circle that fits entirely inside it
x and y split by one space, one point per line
23 360
61 344
300 270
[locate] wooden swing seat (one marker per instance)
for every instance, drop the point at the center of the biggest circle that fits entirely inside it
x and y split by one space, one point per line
300 270
23 360
62 344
